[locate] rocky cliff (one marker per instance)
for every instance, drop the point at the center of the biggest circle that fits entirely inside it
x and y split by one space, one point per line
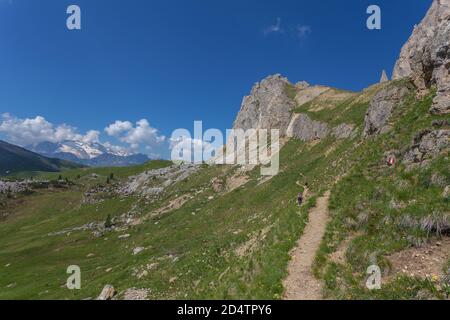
271 103
267 107
426 56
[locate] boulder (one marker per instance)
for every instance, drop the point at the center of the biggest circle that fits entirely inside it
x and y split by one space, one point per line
107 293
138 250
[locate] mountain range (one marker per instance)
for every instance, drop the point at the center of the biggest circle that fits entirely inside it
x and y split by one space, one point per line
91 154
15 159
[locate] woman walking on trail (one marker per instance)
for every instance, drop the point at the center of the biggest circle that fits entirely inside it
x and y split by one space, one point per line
300 199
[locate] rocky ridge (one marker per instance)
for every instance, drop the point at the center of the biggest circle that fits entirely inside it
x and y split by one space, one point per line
271 103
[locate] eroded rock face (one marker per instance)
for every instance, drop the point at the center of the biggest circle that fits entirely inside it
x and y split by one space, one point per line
267 107
427 145
381 108
426 56
305 129
344 131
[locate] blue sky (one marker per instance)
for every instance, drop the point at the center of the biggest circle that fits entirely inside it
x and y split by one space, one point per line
173 62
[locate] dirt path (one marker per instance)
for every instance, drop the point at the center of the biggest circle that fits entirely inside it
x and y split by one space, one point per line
300 283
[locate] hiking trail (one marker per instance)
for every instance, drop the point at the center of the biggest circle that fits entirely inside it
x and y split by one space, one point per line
300 284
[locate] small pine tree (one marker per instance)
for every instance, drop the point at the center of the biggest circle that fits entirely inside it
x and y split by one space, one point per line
108 221
60 177
107 180
78 177
111 176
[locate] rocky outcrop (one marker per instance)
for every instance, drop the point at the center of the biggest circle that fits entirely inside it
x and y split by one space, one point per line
427 145
13 186
344 131
426 56
153 182
267 107
305 129
381 108
270 106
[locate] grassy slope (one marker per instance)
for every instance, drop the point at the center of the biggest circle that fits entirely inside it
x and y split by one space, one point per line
197 254
367 212
205 243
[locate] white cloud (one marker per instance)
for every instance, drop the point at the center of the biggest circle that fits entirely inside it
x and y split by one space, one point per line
300 31
139 135
35 130
118 128
31 131
303 31
91 136
275 28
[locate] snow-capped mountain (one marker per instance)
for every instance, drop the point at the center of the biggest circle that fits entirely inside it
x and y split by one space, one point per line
91 154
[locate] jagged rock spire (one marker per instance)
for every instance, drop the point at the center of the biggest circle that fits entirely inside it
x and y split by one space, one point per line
384 77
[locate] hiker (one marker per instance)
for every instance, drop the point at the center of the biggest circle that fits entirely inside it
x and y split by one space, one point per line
300 199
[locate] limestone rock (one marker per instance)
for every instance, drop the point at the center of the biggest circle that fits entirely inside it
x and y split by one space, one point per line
427 145
153 182
446 193
305 129
13 186
384 77
107 293
135 294
426 56
267 107
138 250
381 108
217 184
344 131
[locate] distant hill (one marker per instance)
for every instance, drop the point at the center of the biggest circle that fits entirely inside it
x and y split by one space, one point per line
15 159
